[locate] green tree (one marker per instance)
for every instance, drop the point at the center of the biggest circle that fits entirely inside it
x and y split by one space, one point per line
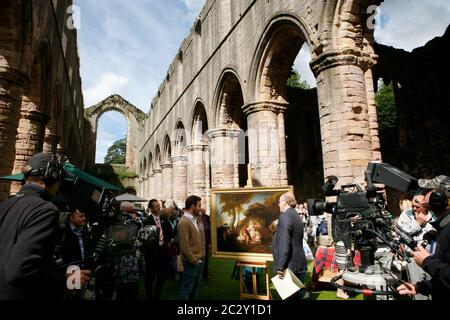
295 80
387 111
233 205
117 152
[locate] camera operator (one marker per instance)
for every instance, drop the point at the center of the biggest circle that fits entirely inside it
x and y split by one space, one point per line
437 265
128 288
28 222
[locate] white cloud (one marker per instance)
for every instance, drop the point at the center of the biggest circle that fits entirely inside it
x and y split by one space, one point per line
409 24
108 84
194 5
301 64
112 126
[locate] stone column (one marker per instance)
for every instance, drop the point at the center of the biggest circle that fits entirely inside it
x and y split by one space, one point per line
267 142
50 143
157 185
145 186
197 170
180 180
30 139
373 116
151 186
167 193
141 188
207 204
10 92
344 115
224 157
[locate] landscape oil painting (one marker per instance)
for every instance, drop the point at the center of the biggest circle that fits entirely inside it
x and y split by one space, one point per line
244 221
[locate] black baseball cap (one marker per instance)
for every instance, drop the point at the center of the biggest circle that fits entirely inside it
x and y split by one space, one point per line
38 164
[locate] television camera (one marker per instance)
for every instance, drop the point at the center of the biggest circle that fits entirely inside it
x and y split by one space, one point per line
371 231
114 233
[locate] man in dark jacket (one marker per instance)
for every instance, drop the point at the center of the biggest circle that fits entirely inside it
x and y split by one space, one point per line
287 246
437 265
75 245
156 252
28 222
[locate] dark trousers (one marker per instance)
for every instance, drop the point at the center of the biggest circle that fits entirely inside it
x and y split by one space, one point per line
128 291
301 293
205 266
156 267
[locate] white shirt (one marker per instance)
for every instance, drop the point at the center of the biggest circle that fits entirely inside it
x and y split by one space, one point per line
191 218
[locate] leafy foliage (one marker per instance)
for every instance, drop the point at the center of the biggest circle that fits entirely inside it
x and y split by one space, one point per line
387 112
295 80
117 152
233 204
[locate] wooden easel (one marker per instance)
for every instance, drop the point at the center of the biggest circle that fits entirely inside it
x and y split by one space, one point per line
254 294
254 265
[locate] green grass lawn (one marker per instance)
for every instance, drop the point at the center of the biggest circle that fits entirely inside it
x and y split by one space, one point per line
222 287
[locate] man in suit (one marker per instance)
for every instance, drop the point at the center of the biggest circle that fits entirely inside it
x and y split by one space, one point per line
28 225
75 245
287 246
156 252
192 247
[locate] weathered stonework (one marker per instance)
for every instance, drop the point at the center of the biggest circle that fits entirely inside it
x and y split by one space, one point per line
133 115
236 66
41 105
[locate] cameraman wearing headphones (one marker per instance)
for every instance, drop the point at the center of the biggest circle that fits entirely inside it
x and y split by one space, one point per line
437 265
28 222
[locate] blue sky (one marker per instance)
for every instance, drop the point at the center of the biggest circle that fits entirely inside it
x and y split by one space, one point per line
126 47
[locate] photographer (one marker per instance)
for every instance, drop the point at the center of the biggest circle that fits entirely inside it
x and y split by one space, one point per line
437 265
28 222
128 288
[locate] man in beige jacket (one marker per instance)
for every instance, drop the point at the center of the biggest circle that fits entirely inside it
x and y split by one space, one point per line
192 247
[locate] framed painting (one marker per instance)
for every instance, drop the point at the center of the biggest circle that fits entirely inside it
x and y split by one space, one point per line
243 222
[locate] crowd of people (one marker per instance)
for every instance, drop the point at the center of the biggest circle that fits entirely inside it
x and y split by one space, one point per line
47 255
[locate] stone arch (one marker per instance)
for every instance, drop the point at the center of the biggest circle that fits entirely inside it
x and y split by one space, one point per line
149 167
143 170
229 144
199 123
157 161
167 150
228 102
180 139
278 47
132 114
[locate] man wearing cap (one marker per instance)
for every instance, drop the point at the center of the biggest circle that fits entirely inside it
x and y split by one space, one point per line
437 265
28 223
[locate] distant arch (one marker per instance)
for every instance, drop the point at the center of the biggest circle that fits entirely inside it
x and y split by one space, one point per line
132 114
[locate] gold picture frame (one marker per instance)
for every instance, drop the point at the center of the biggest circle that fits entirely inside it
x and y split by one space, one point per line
243 221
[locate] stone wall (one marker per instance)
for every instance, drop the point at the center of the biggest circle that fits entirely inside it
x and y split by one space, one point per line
41 101
419 144
227 88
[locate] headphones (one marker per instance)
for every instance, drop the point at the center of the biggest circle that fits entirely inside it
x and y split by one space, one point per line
53 171
50 174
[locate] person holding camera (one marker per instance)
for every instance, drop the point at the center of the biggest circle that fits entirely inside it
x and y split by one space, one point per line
28 223
437 265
